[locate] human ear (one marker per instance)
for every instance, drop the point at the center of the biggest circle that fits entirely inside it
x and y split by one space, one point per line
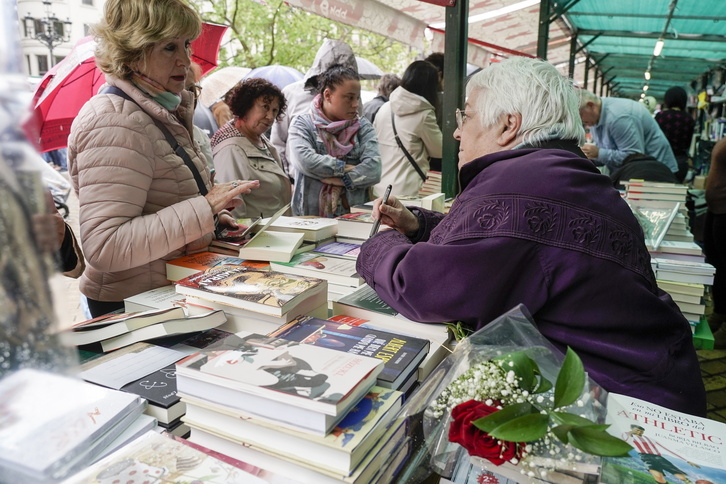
509 128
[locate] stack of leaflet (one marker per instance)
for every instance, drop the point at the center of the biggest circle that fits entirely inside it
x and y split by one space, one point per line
306 412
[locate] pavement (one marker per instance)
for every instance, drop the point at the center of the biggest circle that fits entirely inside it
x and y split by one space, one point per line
69 310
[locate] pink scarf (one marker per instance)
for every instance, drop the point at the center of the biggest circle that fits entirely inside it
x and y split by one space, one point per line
337 135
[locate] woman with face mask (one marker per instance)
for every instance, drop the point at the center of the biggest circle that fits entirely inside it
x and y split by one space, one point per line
144 189
334 151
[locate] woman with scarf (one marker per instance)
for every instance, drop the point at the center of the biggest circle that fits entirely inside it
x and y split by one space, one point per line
335 153
144 189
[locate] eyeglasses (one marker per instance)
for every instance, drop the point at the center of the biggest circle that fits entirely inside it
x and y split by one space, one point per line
461 117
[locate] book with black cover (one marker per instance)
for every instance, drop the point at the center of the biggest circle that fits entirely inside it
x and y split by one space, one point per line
401 354
159 390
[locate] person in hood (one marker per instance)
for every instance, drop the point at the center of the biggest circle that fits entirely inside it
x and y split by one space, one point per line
537 224
411 107
300 94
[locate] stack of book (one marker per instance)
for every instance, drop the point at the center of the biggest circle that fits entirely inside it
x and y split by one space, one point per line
252 299
645 190
188 265
434 201
363 307
110 332
355 227
53 425
310 413
432 184
340 272
314 229
402 355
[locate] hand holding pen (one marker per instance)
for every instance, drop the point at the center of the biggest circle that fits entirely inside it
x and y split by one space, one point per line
392 213
377 223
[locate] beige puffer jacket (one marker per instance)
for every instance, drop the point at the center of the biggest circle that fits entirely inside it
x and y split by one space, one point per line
139 203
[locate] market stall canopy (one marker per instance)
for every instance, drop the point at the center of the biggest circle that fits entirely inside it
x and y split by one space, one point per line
618 35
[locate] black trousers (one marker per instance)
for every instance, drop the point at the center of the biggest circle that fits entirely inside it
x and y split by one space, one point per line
714 246
99 308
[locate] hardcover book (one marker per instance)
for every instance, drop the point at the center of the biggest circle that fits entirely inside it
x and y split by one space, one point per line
335 270
314 229
267 292
356 225
401 354
160 458
109 326
182 325
53 424
159 390
339 249
187 265
339 451
269 374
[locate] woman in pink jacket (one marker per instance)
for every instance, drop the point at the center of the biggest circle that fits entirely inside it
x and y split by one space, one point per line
141 203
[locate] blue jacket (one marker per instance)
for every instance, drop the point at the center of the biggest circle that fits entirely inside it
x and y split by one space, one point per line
307 154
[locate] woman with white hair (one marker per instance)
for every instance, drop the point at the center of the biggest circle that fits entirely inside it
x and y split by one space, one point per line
537 224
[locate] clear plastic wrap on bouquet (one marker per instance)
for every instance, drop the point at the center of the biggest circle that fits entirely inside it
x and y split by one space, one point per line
429 426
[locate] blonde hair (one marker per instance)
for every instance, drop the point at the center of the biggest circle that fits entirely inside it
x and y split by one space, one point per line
129 29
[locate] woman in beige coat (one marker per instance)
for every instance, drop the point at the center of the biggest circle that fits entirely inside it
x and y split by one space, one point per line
140 204
242 151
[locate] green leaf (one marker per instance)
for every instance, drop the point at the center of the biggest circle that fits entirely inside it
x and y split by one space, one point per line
570 380
544 385
510 412
524 368
562 418
562 432
523 429
598 442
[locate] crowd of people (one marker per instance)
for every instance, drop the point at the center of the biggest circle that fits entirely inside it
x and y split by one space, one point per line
535 222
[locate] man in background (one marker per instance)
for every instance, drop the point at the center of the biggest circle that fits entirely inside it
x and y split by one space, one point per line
386 85
620 127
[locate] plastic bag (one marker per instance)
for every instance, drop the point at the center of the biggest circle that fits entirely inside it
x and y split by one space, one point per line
513 331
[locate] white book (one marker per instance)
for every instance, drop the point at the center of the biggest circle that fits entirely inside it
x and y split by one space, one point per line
336 270
314 229
269 246
53 424
158 298
189 324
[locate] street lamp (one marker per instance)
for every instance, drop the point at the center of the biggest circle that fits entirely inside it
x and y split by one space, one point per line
49 30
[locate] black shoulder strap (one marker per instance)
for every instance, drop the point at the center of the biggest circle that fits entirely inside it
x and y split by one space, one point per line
405 151
178 149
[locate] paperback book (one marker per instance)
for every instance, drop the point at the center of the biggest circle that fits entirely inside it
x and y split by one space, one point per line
401 354
356 225
109 326
159 390
267 292
158 298
53 425
266 370
314 229
339 451
335 270
187 265
182 325
339 249
272 246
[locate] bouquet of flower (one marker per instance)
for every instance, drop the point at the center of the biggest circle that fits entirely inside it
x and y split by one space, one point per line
493 403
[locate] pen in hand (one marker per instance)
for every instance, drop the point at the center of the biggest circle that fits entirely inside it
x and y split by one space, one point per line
377 223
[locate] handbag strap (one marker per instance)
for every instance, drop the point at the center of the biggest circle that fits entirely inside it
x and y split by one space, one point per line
405 151
178 149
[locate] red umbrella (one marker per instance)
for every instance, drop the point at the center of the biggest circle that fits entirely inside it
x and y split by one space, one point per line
66 87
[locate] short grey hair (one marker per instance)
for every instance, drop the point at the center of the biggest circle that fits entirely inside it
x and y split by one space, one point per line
588 97
546 100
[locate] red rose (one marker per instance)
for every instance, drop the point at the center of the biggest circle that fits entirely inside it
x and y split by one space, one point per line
478 442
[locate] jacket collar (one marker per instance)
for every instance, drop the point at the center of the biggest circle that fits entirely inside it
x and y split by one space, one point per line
471 170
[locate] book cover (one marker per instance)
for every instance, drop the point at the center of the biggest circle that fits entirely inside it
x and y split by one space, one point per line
159 298
159 390
675 442
160 458
53 424
401 354
356 224
182 325
273 369
336 270
268 292
187 265
314 229
339 249
339 451
109 326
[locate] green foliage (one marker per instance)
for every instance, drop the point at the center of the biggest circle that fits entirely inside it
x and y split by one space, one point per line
279 34
570 380
458 329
